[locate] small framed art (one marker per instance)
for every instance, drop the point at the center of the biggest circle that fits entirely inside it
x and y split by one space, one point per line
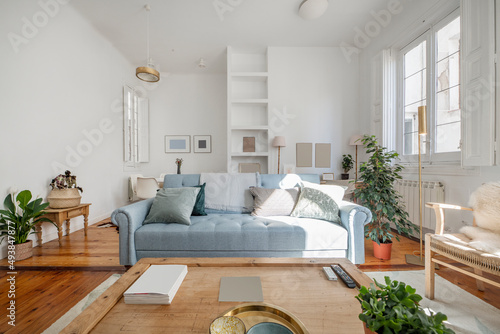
202 144
177 144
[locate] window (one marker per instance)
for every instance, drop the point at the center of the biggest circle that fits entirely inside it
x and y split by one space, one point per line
430 75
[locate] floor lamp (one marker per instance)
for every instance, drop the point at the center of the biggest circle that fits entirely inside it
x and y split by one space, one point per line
279 142
356 141
422 131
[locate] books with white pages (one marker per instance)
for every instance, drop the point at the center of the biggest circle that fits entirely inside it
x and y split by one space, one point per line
158 285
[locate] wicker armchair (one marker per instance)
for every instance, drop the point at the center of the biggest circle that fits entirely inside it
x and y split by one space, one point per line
455 247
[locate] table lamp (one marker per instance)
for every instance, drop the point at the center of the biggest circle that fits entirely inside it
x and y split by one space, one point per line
279 142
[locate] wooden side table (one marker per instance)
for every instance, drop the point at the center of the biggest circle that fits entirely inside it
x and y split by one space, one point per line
59 216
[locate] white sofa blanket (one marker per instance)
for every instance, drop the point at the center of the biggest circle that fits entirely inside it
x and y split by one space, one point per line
228 191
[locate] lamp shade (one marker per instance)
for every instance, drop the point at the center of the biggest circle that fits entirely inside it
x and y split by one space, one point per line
312 9
279 141
356 140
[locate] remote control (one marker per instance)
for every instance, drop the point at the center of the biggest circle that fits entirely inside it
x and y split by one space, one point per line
343 276
330 274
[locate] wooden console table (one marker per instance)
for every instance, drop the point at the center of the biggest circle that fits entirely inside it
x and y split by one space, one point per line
59 216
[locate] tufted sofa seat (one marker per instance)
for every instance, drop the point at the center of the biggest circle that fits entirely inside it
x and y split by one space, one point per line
221 234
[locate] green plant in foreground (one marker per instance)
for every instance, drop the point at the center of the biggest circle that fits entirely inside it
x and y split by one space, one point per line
394 308
377 193
18 221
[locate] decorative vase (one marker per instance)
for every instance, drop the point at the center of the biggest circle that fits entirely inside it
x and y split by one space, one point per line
23 251
344 176
178 169
64 198
382 251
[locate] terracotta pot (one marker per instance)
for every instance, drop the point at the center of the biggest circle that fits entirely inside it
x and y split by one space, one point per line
64 198
382 251
368 330
24 250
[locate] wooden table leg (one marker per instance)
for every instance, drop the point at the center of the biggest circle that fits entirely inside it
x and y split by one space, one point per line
86 221
68 226
59 231
38 230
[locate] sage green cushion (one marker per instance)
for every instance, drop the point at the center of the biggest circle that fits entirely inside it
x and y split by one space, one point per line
314 203
199 206
173 205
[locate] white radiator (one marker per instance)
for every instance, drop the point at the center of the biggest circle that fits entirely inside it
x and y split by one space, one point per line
432 191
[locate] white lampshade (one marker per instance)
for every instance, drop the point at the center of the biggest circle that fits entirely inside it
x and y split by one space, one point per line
312 9
356 140
279 141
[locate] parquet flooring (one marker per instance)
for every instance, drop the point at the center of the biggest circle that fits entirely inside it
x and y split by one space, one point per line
56 278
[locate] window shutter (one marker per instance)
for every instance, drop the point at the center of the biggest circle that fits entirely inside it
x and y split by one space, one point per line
478 82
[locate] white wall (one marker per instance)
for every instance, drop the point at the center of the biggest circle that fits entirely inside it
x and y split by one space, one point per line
188 104
457 187
63 81
313 98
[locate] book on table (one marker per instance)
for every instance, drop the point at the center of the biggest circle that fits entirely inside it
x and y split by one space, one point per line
158 285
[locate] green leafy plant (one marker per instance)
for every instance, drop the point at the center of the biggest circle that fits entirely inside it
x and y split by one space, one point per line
347 163
394 308
18 221
377 193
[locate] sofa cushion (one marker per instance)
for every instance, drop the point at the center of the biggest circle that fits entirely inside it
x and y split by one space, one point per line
172 205
335 192
273 202
199 206
240 232
314 203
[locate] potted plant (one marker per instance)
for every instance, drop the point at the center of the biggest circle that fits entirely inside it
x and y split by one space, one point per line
394 308
64 192
347 164
18 221
376 192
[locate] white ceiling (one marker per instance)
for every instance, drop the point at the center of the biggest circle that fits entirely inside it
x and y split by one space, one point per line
182 31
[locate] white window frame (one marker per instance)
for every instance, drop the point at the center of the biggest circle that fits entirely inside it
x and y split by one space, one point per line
429 157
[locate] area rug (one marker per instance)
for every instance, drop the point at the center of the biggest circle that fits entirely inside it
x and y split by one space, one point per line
63 321
466 313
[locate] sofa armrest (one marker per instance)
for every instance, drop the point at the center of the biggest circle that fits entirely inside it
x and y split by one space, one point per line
354 218
129 218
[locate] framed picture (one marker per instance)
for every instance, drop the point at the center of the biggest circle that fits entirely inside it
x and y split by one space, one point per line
328 177
248 144
177 144
202 144
249 167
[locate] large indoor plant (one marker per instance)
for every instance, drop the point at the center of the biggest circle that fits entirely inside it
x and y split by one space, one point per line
347 164
394 308
18 221
64 193
376 192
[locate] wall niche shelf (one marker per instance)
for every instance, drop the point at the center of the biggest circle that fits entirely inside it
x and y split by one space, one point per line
247 106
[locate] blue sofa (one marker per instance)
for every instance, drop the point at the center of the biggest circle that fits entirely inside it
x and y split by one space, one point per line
223 234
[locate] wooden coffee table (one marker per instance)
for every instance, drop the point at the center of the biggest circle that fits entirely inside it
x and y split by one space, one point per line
295 284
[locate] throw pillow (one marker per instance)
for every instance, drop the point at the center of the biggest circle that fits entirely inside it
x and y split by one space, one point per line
199 206
173 205
314 203
335 192
273 202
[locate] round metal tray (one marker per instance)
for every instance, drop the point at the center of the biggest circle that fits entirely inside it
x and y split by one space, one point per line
254 313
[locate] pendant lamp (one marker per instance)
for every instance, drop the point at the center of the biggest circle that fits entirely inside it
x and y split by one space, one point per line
148 73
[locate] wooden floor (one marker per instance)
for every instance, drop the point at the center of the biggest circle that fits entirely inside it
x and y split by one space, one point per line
56 278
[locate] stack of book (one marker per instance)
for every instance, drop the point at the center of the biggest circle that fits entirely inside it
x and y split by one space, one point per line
158 285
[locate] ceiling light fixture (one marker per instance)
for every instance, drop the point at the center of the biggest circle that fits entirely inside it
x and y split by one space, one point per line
312 9
148 73
202 63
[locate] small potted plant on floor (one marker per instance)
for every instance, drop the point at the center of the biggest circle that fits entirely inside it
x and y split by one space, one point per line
18 221
347 164
65 193
394 308
377 193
